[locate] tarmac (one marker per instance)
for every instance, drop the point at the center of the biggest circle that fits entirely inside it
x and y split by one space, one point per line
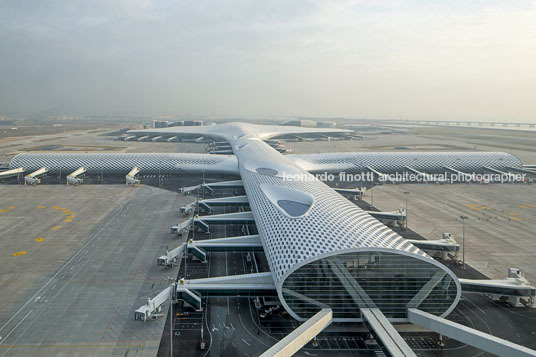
75 262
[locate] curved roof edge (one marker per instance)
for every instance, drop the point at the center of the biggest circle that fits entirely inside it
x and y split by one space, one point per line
427 259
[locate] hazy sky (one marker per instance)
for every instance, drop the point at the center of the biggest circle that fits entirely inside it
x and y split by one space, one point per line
438 59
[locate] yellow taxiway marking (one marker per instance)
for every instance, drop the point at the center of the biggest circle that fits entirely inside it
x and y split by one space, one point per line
12 207
40 207
514 213
67 220
473 206
527 205
71 216
55 228
67 211
515 218
19 253
40 239
4 210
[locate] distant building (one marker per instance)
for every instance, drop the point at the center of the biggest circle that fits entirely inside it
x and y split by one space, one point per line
160 124
326 124
6 122
193 122
177 123
304 123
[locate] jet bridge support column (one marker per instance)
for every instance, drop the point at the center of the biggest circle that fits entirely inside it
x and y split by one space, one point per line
298 338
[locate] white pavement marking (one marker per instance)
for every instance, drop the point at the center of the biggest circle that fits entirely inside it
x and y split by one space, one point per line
17 325
246 342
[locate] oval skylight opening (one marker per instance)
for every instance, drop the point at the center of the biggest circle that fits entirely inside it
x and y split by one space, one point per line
293 208
291 202
266 171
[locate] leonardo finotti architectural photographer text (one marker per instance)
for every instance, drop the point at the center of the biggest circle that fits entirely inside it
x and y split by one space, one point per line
408 177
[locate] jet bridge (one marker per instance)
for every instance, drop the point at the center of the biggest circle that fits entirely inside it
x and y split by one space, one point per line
352 193
33 178
181 228
131 177
171 256
141 138
173 138
391 341
382 176
389 217
511 177
440 246
239 243
425 176
197 252
156 138
513 289
189 189
73 178
467 335
189 208
257 284
153 307
298 338
227 218
207 204
211 187
11 173
522 170
466 177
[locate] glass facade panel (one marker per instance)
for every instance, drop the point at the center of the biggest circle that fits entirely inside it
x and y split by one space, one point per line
391 282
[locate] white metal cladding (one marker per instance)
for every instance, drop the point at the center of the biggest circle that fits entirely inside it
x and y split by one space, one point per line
124 162
430 162
332 223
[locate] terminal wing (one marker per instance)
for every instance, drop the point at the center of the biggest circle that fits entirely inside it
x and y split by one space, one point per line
426 164
122 163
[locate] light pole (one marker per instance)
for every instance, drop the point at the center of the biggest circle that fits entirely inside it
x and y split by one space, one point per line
406 195
463 218
171 322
